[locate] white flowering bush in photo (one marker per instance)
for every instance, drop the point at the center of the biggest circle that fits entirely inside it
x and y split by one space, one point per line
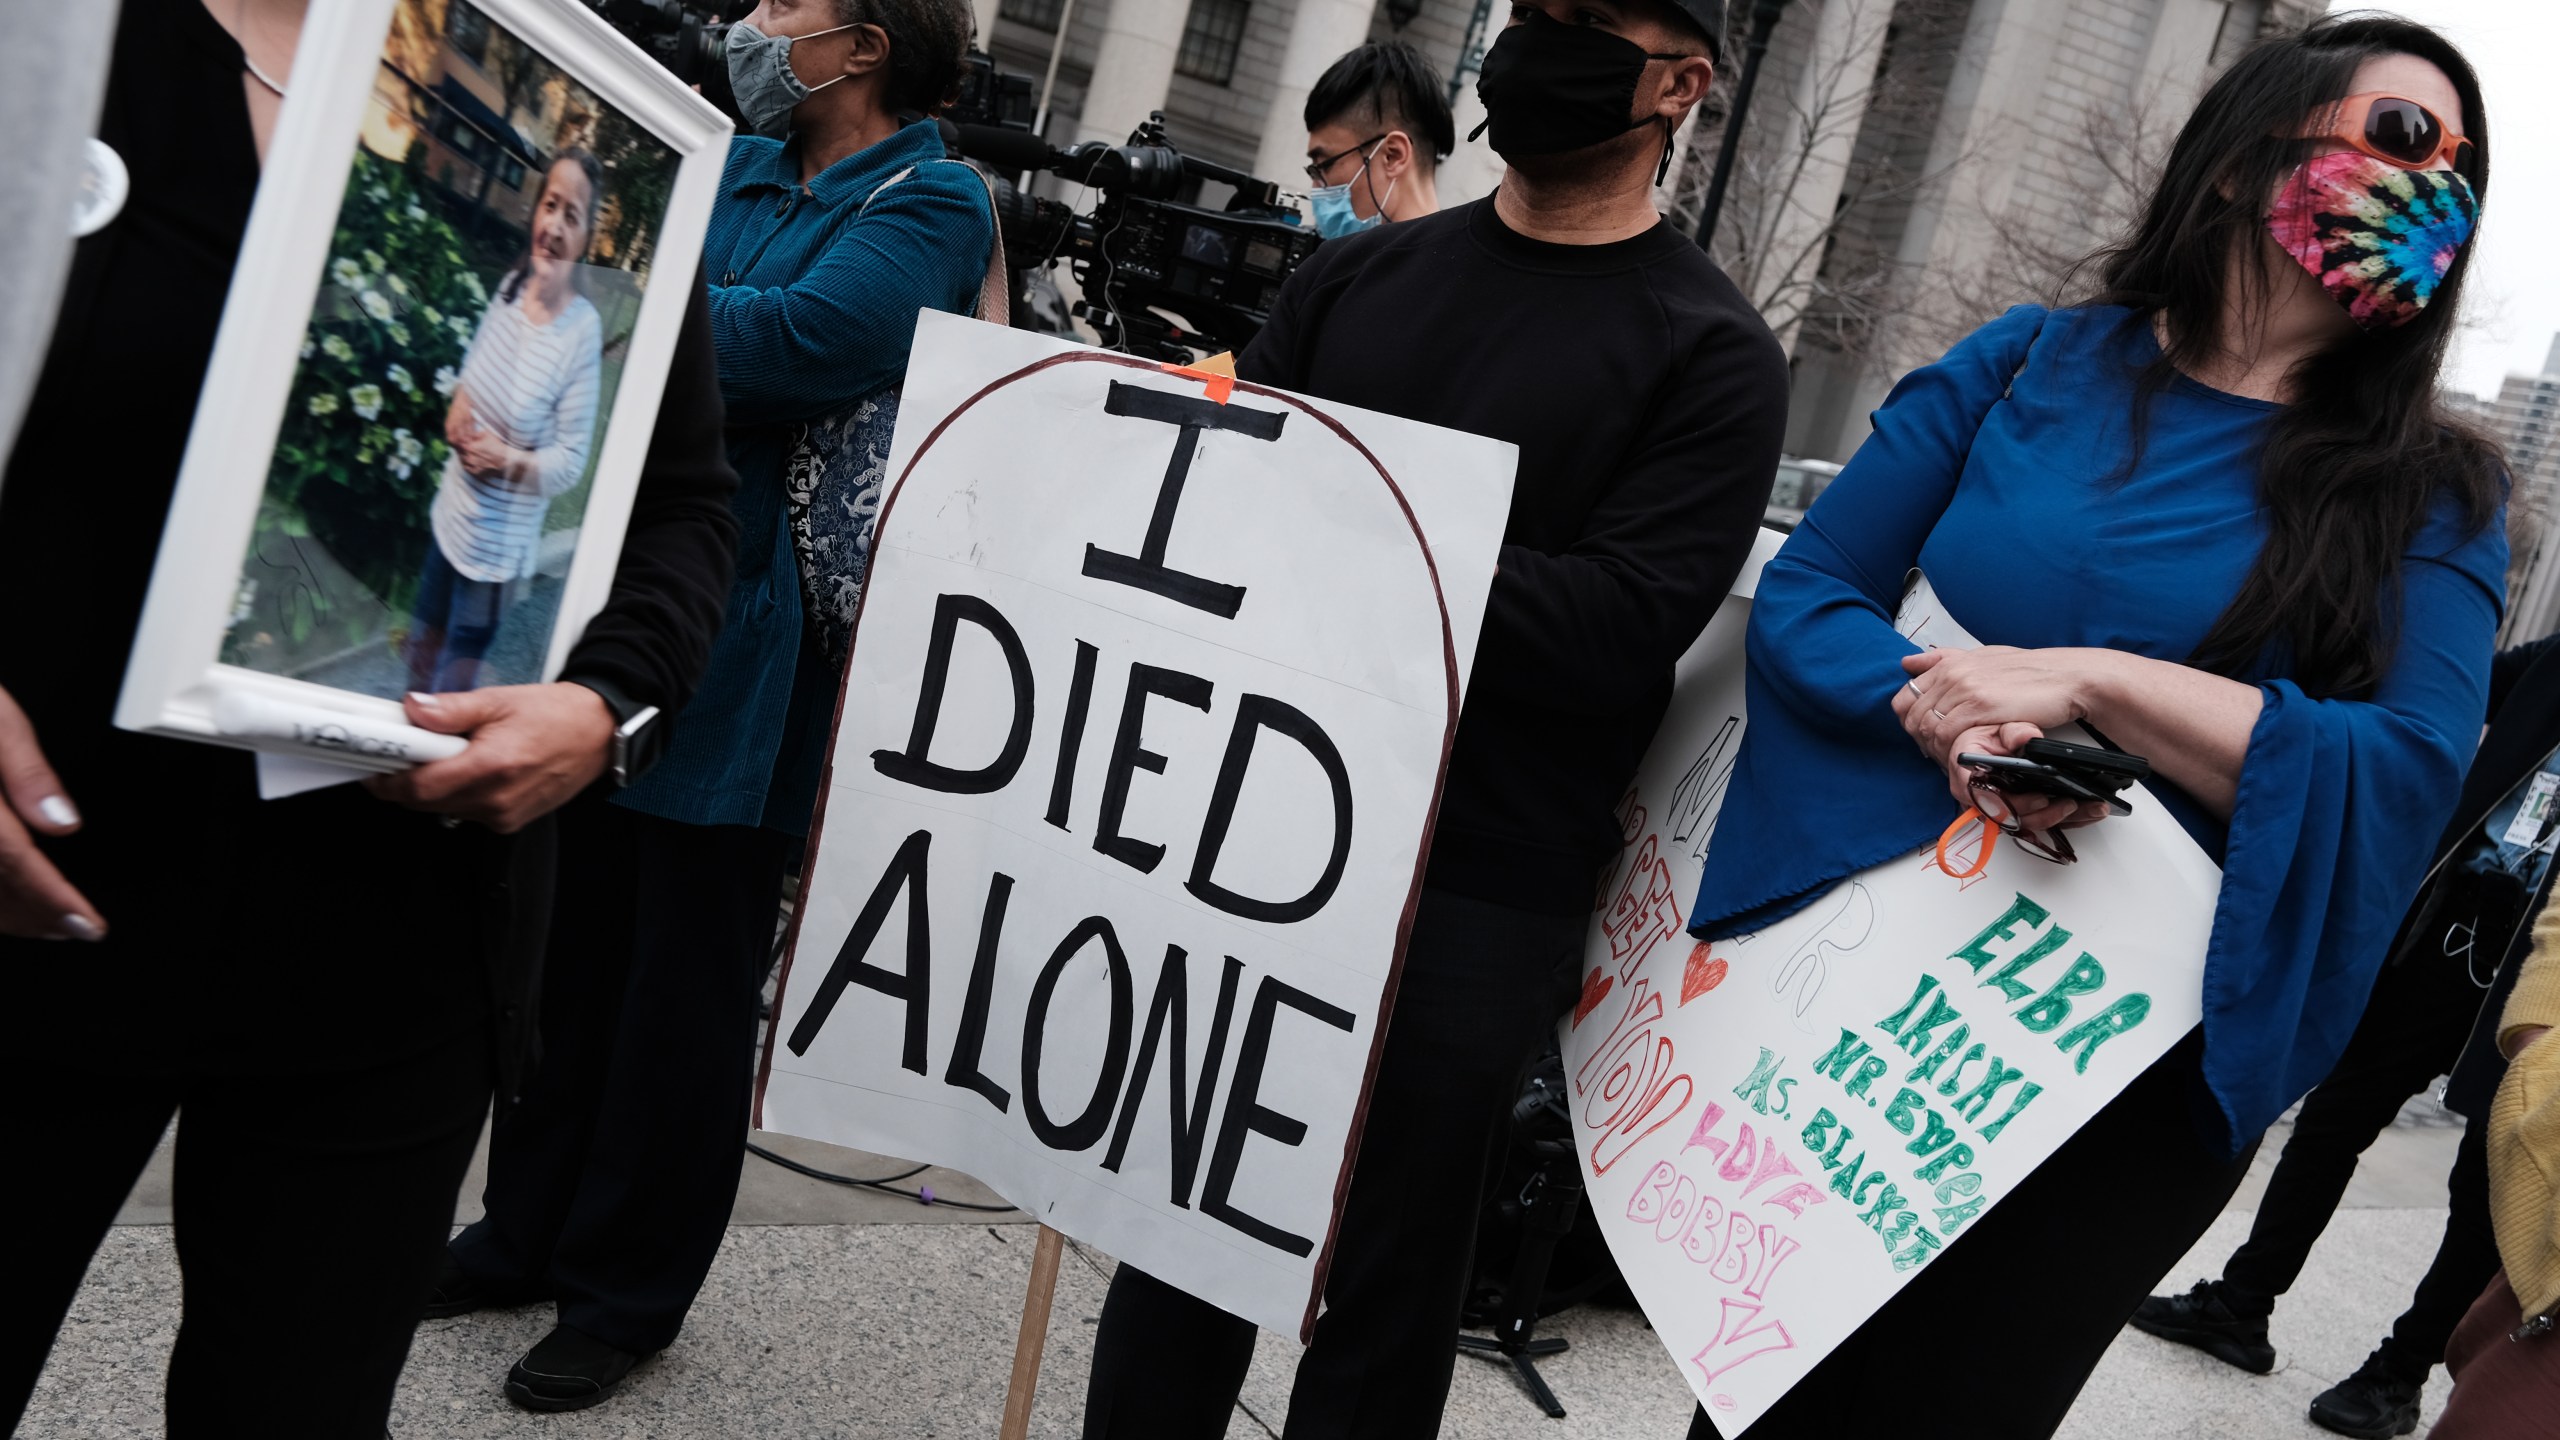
363 443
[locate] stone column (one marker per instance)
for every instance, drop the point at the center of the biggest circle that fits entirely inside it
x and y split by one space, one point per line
1133 68
1472 170
1989 108
1319 33
1816 133
2176 66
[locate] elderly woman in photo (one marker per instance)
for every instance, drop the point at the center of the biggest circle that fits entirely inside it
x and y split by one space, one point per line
522 422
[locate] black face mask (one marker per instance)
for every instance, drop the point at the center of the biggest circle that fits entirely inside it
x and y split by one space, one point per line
1549 88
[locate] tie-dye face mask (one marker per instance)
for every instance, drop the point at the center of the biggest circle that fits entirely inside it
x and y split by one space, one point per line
2378 238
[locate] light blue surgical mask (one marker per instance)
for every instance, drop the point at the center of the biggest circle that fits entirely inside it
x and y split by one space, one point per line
761 78
1332 205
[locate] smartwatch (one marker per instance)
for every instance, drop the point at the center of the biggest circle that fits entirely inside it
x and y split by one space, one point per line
639 732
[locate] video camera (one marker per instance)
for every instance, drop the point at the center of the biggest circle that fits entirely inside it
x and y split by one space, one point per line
1141 251
993 97
691 40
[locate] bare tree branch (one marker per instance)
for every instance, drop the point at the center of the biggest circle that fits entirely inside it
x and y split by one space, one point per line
1837 148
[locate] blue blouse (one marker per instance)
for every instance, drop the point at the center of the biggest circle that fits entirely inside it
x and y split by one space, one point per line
2012 507
814 294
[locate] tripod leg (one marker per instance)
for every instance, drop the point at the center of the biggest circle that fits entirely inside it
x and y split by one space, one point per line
1536 1385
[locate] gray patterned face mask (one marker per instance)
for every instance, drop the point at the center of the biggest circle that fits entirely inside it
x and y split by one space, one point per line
761 78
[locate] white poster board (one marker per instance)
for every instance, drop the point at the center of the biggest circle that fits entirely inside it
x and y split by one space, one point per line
1780 1129
1151 692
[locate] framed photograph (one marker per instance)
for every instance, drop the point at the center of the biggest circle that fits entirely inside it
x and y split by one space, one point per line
436 377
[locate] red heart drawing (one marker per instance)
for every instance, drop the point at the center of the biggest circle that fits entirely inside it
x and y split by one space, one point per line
1595 988
1702 974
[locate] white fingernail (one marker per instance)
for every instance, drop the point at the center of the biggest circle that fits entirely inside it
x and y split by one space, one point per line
423 700
81 927
57 811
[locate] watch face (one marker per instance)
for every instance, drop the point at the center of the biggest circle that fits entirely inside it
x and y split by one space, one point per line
635 745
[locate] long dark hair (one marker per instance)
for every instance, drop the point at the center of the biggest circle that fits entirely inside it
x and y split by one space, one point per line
2353 465
513 284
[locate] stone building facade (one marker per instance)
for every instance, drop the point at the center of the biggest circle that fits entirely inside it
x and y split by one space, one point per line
1914 167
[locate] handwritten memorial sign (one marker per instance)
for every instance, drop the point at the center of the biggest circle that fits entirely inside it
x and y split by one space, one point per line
1141 738
1780 1129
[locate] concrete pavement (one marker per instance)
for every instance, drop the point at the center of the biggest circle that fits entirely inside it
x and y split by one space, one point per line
834 1313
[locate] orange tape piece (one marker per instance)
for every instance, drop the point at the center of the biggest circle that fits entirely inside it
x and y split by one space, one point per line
1218 372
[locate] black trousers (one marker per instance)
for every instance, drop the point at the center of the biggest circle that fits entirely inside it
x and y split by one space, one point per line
312 1209
2465 1259
1481 984
2413 1028
610 1187
2135 1179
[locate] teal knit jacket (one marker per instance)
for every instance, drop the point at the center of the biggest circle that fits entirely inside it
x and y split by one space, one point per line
814 296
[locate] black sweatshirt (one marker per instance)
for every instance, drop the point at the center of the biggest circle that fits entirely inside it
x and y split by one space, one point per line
328 929
1649 403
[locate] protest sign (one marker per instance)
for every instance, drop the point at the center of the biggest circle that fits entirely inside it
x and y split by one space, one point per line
1779 1130
1151 692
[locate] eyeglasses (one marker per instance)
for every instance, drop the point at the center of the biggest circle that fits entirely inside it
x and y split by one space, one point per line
2050 845
2398 132
1317 167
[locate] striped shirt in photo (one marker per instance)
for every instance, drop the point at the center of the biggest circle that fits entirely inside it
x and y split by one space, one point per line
536 387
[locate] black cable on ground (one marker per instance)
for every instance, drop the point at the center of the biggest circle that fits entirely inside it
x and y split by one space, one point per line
882 1184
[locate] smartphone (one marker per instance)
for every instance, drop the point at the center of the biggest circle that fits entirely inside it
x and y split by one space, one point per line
2019 774
2067 771
2063 755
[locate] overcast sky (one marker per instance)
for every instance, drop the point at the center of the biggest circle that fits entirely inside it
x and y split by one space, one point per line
2513 307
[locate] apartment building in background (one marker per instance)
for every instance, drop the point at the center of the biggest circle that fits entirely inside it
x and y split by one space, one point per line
2525 416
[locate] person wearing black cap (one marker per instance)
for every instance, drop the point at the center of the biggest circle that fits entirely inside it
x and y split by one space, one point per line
1648 402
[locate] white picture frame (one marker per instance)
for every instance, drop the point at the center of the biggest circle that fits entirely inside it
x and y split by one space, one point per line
177 680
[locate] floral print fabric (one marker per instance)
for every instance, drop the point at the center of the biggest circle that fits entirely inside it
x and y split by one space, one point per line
832 484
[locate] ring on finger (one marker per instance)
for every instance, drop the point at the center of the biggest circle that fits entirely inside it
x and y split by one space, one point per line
1941 714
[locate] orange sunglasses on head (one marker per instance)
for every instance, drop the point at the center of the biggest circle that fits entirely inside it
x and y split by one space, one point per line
2398 132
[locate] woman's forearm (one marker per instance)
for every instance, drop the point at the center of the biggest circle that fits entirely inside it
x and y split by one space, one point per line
2193 727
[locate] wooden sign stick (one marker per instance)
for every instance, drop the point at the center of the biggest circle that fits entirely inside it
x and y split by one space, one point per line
1035 1334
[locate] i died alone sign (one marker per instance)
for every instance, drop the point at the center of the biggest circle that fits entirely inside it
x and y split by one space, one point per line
1150 696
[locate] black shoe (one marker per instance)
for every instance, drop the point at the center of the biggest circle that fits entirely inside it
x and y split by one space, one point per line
568 1370
2203 1318
2375 1403
456 1293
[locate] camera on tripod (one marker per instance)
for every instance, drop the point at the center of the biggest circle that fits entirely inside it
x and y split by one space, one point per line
690 40
1142 255
989 96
